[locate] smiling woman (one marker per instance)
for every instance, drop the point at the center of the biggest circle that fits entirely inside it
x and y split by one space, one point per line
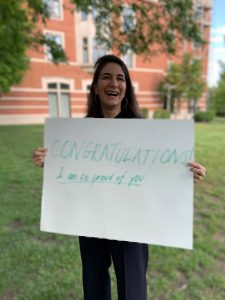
112 96
111 90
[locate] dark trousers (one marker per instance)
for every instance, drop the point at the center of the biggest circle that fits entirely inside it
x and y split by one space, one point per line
130 262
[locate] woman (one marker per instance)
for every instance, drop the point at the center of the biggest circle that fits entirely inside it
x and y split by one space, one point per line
112 96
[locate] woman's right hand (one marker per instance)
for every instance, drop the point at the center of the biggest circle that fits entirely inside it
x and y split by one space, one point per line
39 155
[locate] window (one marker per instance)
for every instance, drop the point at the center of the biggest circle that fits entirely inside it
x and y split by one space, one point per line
98 50
85 51
128 59
53 37
59 100
169 64
94 13
52 85
53 7
195 44
84 15
64 86
198 10
191 106
128 19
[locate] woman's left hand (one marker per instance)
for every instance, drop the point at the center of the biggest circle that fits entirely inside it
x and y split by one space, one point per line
198 170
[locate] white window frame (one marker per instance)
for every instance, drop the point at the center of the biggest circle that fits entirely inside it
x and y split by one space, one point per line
58 90
85 84
47 80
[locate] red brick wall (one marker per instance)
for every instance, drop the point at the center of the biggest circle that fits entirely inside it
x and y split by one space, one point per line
30 98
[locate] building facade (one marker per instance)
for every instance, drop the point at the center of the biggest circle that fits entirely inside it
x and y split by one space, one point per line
50 90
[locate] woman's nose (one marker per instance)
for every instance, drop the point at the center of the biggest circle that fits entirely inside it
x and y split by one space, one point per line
114 82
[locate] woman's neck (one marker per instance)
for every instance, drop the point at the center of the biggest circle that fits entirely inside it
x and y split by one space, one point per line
111 113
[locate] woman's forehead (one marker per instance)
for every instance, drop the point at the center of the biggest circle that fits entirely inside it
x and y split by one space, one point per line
112 68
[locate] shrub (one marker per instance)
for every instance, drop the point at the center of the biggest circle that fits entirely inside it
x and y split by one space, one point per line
220 113
204 116
161 114
144 112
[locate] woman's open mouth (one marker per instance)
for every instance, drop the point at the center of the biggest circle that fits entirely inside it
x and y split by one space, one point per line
112 93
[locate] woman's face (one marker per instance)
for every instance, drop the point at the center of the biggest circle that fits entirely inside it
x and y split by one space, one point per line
111 86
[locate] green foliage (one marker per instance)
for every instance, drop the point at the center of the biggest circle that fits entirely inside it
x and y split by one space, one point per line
18 21
183 81
144 112
36 265
204 116
161 114
15 37
150 28
18 30
193 83
217 95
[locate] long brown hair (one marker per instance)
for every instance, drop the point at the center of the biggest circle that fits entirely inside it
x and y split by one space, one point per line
129 102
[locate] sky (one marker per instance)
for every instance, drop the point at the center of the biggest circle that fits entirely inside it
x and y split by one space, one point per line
217 41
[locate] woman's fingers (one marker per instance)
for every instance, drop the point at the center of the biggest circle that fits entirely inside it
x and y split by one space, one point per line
198 170
40 150
196 165
39 155
198 177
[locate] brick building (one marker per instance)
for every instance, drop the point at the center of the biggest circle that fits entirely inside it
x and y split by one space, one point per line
49 90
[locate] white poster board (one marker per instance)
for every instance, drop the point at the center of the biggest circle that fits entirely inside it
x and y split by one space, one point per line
122 179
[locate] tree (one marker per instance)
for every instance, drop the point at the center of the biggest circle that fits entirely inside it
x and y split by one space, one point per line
142 29
183 81
194 85
173 88
164 23
18 21
217 99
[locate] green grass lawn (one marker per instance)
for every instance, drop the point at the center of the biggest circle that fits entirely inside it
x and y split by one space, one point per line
40 266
